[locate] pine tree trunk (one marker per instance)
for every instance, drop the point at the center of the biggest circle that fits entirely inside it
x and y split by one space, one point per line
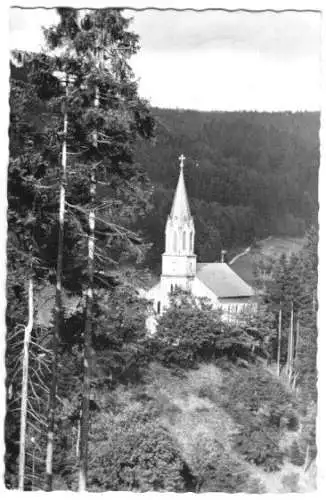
83 454
84 425
297 338
295 353
307 461
58 307
279 342
78 436
290 347
24 395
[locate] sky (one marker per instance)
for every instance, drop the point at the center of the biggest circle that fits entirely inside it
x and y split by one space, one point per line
214 60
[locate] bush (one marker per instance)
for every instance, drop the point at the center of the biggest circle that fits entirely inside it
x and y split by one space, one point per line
212 466
290 483
225 475
186 333
208 392
255 486
139 458
191 332
296 455
260 448
259 397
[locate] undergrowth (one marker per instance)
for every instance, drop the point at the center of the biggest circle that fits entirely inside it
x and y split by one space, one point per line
215 428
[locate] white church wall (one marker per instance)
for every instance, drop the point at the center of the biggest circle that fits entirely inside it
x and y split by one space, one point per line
151 324
155 296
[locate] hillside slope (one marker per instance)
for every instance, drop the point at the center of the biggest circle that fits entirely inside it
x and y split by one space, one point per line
204 412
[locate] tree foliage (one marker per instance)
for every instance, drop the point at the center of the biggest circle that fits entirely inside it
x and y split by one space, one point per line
294 282
191 331
141 457
36 121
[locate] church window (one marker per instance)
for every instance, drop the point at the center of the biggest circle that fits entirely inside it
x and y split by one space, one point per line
190 241
174 241
184 240
159 307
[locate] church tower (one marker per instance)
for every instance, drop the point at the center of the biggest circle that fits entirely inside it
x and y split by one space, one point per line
179 260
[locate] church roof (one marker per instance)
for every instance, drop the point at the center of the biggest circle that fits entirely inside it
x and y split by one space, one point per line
180 207
224 282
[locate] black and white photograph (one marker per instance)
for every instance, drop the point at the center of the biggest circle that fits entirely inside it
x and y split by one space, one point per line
162 292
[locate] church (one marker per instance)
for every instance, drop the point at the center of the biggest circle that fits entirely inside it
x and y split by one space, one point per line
215 281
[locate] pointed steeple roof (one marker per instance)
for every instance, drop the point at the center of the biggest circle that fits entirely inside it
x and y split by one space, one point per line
180 207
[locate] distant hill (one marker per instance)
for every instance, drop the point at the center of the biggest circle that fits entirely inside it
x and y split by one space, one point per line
248 175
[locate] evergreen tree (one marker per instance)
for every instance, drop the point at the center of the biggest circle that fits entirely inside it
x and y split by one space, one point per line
294 281
118 120
106 117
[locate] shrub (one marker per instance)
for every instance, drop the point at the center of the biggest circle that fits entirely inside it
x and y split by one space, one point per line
139 458
259 448
296 455
255 485
225 475
190 332
258 397
207 392
290 483
213 468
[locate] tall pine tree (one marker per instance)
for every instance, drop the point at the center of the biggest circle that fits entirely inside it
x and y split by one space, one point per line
106 117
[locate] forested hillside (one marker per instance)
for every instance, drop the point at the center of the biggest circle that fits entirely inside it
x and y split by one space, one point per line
248 175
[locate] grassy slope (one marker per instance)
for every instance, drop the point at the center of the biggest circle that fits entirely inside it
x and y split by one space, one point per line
190 408
271 247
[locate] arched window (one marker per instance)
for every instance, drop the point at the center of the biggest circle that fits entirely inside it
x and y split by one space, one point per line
171 287
184 240
174 241
190 242
159 307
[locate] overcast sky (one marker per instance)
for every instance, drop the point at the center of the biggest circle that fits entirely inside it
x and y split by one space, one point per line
214 60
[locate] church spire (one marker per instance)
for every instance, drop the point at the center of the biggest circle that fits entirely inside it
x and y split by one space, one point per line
180 207
180 229
179 259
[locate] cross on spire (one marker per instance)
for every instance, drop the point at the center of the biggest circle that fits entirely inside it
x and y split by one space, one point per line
182 159
180 207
